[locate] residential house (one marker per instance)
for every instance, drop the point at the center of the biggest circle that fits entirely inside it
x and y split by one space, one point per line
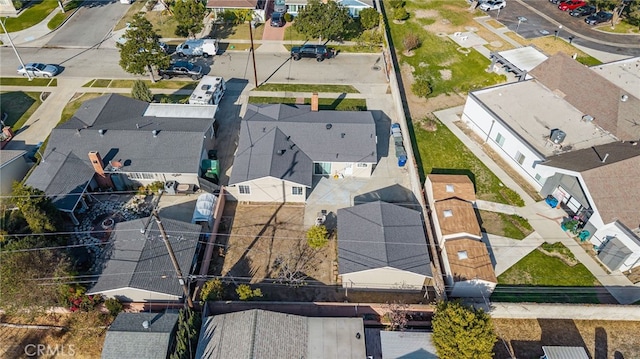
282 147
13 167
468 267
573 142
599 187
136 266
264 334
116 142
140 335
353 6
257 6
382 246
407 345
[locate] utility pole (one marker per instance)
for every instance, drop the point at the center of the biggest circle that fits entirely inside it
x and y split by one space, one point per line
14 49
253 53
173 259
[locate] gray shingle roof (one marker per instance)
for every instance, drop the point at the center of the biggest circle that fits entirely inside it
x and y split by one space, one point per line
127 338
351 137
614 254
379 234
253 334
141 261
127 137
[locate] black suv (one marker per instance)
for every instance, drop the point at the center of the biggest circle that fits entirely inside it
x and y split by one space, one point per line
319 52
181 68
598 18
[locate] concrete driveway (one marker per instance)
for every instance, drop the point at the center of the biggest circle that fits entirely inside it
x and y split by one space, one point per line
90 25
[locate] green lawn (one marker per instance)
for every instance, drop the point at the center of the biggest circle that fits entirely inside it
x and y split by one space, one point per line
621 28
308 88
447 70
162 84
236 32
511 226
23 81
134 8
37 11
59 18
323 103
164 24
443 153
19 106
545 279
171 98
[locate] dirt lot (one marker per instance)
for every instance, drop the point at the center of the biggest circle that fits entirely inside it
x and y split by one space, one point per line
602 339
81 336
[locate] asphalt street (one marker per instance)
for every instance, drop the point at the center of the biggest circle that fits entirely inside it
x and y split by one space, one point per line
274 67
90 25
544 18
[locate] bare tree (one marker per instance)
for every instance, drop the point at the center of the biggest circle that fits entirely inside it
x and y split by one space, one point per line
292 268
397 312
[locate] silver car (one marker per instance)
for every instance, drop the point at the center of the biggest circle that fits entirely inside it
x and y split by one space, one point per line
37 69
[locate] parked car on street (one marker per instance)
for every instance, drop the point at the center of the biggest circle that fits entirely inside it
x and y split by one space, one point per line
598 18
571 5
556 1
583 11
36 69
493 5
198 47
277 19
181 68
319 52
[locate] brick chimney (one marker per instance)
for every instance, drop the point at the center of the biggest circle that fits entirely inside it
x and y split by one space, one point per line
103 179
314 102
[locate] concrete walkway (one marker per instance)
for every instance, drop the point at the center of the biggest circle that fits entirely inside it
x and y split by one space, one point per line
564 311
32 35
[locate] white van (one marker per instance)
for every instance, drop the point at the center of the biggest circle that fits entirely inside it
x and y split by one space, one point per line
198 47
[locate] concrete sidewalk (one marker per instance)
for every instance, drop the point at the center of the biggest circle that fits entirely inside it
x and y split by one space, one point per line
563 311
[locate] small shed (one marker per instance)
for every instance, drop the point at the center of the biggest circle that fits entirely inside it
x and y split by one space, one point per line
562 352
203 212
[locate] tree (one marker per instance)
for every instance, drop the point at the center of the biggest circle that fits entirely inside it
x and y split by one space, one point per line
371 39
114 306
140 91
400 14
396 3
36 208
141 51
245 292
212 290
317 236
187 334
189 15
397 315
369 18
461 332
421 87
330 21
411 42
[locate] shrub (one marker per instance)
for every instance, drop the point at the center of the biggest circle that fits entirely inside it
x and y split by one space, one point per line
212 290
421 87
288 17
370 38
317 237
114 306
151 4
245 292
396 4
140 91
18 4
369 18
411 42
400 14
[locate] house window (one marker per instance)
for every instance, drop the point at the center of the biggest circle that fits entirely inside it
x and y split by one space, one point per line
448 212
296 191
500 139
244 189
540 179
463 255
519 157
362 165
450 188
322 168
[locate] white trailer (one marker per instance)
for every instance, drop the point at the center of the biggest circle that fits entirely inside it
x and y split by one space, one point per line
209 91
198 47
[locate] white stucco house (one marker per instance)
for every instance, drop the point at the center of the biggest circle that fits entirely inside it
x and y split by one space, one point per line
282 147
572 132
382 246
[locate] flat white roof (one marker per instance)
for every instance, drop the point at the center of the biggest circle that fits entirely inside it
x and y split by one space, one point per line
398 345
532 110
624 74
336 338
525 58
180 110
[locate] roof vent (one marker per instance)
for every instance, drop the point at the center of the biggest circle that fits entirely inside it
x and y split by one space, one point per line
342 135
624 98
557 136
281 152
137 126
155 133
101 132
145 324
587 118
329 126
